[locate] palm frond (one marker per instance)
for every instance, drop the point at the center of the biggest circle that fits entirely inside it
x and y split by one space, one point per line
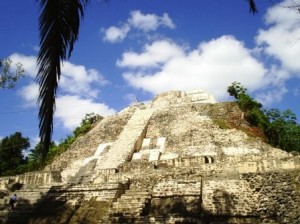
252 6
59 23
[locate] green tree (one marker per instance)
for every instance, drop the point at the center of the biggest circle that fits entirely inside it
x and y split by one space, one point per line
280 128
252 109
59 24
86 124
283 131
8 78
35 159
35 154
11 149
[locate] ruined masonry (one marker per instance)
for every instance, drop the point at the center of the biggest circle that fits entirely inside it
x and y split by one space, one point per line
181 158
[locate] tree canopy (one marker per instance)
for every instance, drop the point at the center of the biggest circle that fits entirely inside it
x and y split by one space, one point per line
283 131
13 161
280 128
8 78
11 152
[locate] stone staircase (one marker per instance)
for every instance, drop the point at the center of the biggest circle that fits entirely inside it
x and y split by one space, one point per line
103 191
85 173
43 200
124 147
119 152
27 198
131 207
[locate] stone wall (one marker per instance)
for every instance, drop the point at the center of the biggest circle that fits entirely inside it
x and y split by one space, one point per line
31 179
210 164
278 195
259 197
230 197
273 197
176 188
180 97
176 197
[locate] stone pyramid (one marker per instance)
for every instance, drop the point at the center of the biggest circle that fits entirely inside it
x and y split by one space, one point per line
181 158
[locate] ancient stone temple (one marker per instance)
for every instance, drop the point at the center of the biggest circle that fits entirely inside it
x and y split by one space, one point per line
181 158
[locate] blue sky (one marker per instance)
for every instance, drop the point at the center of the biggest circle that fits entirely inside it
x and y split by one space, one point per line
139 48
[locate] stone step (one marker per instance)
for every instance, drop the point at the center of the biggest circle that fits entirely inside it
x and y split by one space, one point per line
3 207
126 198
126 212
133 202
130 209
84 172
129 206
137 192
134 210
17 217
22 200
128 219
109 194
156 220
130 193
136 203
4 213
126 141
33 189
87 187
4 200
29 193
23 208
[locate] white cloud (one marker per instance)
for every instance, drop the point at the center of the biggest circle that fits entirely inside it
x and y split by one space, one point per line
155 54
115 34
71 110
36 48
35 141
282 37
29 94
131 98
277 75
213 67
139 21
167 21
296 91
28 63
78 87
275 89
149 22
76 79
271 96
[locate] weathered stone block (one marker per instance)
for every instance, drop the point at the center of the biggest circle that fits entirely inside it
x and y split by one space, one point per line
178 206
154 156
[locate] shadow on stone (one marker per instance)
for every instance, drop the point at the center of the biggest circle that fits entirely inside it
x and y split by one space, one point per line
47 209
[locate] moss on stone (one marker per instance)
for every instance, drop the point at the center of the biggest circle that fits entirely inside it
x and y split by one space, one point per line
222 124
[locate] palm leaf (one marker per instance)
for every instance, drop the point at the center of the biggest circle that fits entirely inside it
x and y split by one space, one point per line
59 23
252 6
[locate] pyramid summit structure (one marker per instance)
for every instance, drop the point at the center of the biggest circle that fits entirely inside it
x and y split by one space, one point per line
180 158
